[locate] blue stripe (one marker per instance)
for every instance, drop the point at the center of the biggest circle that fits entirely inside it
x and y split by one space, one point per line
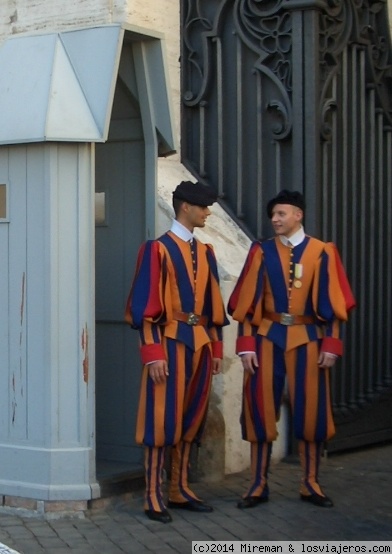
312 332
297 255
149 437
277 334
184 285
279 376
171 392
259 465
212 264
202 376
253 384
208 304
299 250
324 306
299 401
276 276
321 429
155 332
185 334
259 283
141 287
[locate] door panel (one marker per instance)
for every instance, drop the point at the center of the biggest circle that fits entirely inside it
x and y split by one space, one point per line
120 176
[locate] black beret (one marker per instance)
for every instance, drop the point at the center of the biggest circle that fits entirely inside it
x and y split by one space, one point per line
195 193
292 197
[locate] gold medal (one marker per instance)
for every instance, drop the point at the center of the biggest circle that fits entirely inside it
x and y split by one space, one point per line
297 284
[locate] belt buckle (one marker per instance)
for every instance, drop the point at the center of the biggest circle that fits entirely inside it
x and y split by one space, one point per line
193 319
286 319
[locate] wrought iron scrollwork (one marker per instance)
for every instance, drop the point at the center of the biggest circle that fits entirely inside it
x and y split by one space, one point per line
197 34
361 22
263 27
376 24
267 30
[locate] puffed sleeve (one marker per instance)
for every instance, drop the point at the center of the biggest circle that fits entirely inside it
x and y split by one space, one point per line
145 307
215 309
332 298
245 301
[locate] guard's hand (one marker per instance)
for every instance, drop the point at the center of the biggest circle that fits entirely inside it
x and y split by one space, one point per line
249 362
216 366
326 360
158 371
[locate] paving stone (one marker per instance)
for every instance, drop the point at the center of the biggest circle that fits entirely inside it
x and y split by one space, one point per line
359 482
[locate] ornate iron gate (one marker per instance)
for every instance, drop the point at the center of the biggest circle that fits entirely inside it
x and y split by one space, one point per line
298 94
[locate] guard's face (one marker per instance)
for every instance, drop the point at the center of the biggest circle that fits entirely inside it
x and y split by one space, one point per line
196 215
286 219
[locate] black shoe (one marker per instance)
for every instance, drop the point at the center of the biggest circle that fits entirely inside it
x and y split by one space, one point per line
191 506
318 500
251 502
163 517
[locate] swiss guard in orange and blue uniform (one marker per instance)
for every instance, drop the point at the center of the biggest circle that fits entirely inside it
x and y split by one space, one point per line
290 300
176 304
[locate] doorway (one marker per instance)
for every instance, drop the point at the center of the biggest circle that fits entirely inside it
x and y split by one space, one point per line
120 224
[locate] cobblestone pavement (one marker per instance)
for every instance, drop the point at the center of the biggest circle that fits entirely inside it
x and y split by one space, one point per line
359 482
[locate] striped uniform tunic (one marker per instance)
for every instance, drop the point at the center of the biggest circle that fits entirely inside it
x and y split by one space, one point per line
168 279
323 293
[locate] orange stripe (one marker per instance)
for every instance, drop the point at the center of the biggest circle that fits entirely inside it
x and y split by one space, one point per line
152 471
330 420
180 392
313 373
309 453
290 361
141 413
311 390
203 400
269 413
153 463
179 489
260 458
250 434
245 289
147 332
159 413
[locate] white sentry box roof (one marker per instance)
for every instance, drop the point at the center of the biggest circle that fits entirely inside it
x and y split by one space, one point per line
60 86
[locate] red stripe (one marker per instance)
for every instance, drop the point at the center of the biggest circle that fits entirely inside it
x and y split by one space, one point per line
154 305
344 284
233 300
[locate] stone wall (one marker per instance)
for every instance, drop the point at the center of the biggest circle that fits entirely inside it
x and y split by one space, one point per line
25 16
